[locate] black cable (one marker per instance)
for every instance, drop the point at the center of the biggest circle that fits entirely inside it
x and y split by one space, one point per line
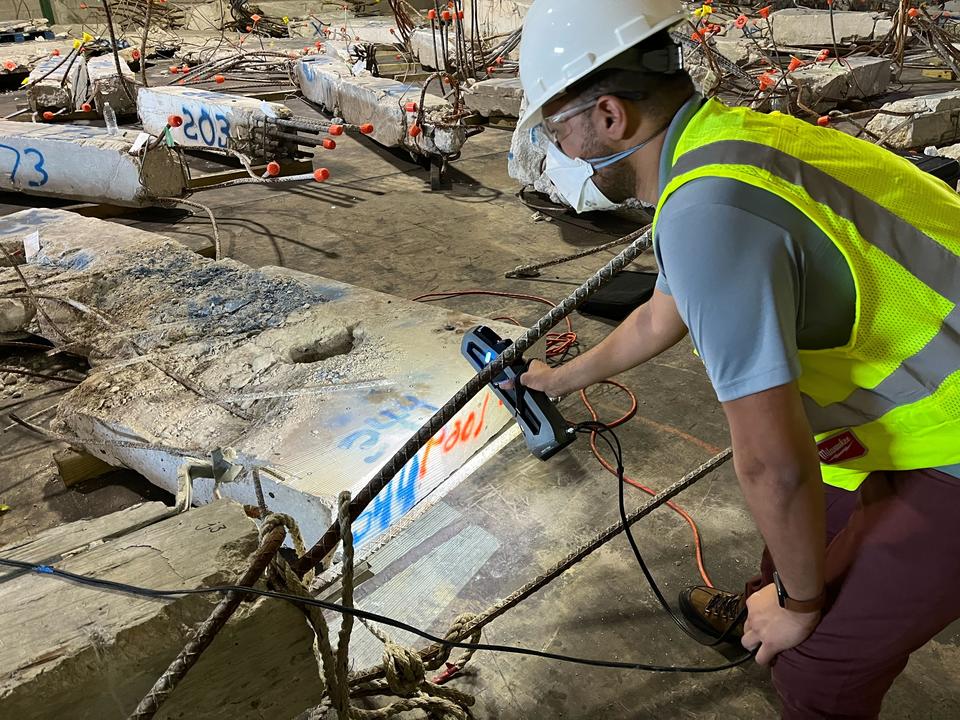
602 431
356 612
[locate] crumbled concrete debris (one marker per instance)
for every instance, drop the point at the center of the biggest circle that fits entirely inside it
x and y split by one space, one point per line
15 315
936 122
802 26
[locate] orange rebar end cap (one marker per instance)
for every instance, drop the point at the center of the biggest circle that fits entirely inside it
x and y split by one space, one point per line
135 54
823 120
219 79
335 130
410 106
56 53
415 130
273 168
366 128
491 70
321 174
9 64
184 68
318 45
795 63
913 12
329 144
48 115
174 69
86 107
431 14
174 121
446 15
256 18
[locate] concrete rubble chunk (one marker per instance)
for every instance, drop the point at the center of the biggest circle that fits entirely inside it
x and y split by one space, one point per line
107 87
85 163
15 315
825 84
58 82
497 96
210 119
316 381
937 121
802 26
91 654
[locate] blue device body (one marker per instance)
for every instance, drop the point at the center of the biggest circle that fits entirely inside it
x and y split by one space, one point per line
544 428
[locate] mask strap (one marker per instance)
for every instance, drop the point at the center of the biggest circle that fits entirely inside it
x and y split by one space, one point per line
607 160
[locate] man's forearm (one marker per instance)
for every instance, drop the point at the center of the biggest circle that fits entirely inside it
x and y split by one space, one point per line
788 508
644 334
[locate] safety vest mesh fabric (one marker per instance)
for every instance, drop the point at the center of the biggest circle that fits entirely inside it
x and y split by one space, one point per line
894 389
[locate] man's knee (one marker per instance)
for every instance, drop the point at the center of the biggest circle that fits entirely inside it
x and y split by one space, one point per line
811 688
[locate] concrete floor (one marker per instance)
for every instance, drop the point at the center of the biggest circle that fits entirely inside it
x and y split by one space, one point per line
376 224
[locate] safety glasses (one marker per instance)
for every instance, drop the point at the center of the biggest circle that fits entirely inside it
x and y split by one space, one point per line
551 123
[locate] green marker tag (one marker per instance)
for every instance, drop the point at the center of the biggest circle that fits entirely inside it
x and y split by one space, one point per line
168 137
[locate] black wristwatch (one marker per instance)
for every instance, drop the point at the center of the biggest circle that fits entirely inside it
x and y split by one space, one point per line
801 606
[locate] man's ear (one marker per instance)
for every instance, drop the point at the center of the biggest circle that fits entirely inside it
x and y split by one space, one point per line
613 118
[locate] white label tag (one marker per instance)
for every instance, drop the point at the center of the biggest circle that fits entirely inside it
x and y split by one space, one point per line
31 245
141 140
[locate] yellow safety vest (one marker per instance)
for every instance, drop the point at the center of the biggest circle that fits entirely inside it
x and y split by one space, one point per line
890 398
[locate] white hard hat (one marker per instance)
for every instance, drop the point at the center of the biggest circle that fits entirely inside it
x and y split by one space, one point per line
565 40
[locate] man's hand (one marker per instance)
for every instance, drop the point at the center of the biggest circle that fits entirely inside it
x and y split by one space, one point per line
773 628
541 376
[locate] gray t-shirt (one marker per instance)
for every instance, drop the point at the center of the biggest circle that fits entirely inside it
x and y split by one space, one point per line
754 279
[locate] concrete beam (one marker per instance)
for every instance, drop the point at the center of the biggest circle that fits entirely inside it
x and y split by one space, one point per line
82 653
497 96
322 381
328 81
210 119
86 164
826 84
802 26
937 121
107 87
65 84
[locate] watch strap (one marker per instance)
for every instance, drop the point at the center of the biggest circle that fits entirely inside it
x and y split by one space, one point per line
801 606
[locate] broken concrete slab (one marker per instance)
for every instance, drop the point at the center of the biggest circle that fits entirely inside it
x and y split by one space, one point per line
58 82
802 26
825 84
497 96
936 121
106 85
86 164
211 119
70 638
328 80
311 380
18 58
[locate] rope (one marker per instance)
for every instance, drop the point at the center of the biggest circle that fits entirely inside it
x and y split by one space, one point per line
529 271
638 244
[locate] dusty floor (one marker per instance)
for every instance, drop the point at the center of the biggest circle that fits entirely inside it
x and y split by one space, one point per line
376 224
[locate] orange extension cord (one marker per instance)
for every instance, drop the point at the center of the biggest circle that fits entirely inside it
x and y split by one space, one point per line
558 344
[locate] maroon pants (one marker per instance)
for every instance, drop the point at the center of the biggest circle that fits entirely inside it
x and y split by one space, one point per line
893 582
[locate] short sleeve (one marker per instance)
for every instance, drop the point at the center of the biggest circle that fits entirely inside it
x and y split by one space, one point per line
736 282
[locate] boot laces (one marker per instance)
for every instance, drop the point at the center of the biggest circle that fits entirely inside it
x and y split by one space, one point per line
724 605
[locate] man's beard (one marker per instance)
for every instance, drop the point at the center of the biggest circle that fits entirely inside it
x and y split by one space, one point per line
618 181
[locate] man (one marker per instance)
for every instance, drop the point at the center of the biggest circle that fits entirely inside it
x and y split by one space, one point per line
819 277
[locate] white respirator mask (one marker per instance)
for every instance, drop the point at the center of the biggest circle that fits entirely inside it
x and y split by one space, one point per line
573 177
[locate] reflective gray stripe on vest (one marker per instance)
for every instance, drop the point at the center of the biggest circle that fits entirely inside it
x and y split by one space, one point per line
918 376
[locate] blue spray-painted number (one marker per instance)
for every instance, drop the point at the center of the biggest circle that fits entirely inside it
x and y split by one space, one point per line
205 127
38 166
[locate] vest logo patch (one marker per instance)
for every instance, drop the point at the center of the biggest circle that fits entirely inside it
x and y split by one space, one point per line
840 448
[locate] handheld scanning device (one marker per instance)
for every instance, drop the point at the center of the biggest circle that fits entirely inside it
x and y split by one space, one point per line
544 429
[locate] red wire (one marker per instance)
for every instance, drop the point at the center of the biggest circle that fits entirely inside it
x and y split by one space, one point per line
559 344
670 504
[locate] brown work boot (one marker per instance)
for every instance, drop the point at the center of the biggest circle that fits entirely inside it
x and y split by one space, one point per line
711 611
